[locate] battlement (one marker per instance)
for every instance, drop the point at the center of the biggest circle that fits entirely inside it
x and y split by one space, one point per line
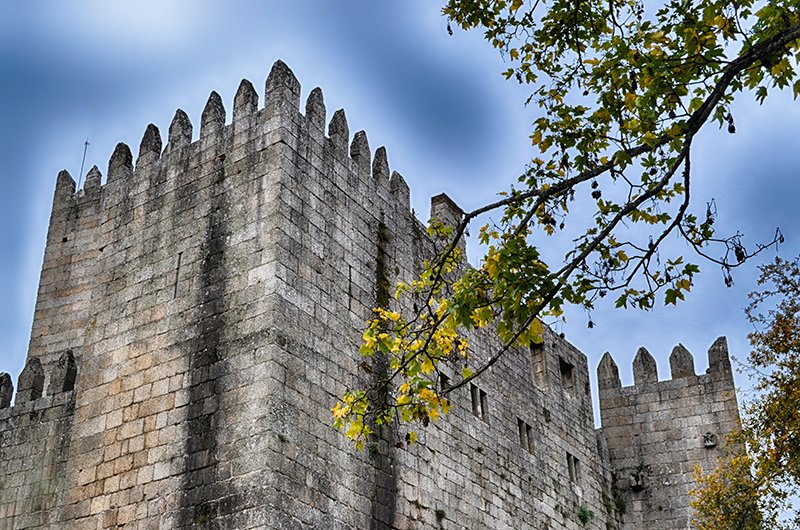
656 431
278 121
30 384
682 370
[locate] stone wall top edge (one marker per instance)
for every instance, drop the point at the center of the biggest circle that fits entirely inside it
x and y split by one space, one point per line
248 122
682 371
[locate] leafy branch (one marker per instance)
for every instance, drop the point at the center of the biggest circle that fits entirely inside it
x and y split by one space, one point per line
623 96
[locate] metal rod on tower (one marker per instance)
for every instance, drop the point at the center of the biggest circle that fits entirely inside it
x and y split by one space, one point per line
85 148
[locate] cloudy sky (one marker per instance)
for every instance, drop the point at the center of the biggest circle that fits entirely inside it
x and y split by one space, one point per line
104 69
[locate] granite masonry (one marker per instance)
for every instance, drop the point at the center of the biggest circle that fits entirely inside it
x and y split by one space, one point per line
200 311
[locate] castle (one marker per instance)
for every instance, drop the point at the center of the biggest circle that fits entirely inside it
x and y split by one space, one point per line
199 313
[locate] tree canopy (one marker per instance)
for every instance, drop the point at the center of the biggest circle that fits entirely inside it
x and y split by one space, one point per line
624 87
757 484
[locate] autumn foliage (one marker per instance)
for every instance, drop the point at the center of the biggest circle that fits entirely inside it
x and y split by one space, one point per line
623 88
758 484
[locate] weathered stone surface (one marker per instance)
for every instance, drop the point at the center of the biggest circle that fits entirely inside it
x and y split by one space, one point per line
681 362
246 101
338 131
120 165
644 367
31 381
213 117
150 146
315 109
6 390
214 304
64 373
608 372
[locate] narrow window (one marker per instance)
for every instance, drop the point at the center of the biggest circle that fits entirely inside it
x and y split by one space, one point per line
525 435
350 287
574 466
484 407
444 382
480 403
567 371
529 436
177 275
539 365
476 400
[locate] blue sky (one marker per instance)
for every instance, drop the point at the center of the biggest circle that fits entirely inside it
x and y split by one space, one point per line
104 69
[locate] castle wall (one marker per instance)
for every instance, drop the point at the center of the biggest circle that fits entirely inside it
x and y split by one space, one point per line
658 431
212 295
34 445
350 218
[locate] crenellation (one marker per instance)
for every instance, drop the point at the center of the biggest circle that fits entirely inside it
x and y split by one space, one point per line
150 146
338 131
120 165
6 390
64 374
213 118
30 384
608 373
245 103
719 364
380 166
180 132
645 369
681 362
65 188
315 109
400 191
92 184
282 92
361 155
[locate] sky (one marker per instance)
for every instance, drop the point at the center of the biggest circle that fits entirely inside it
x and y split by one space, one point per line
103 69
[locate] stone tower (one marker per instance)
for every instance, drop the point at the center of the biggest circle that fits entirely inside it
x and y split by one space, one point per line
658 431
200 311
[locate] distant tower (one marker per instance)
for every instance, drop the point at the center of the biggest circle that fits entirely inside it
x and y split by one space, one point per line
657 431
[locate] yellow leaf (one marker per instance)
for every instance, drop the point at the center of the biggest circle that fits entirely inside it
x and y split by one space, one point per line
339 410
427 366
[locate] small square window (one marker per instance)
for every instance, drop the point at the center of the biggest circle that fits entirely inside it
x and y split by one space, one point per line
567 371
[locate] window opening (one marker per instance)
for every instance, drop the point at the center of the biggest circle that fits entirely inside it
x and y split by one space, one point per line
177 275
350 288
574 467
480 403
525 435
539 364
567 371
